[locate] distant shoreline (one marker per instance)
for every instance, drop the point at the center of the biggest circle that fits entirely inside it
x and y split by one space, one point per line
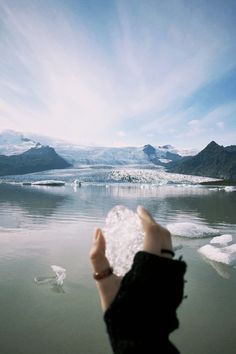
224 182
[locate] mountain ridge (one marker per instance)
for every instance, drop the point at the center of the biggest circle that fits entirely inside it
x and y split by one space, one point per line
35 159
213 161
12 143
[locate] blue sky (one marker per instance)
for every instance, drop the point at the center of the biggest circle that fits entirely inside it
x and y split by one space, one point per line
116 73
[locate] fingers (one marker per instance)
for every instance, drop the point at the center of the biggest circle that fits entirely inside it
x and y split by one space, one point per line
156 237
97 254
109 286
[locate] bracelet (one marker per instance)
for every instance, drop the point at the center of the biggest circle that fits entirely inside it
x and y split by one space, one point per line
163 250
103 274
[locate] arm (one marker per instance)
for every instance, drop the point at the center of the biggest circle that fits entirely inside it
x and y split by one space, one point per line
140 309
143 313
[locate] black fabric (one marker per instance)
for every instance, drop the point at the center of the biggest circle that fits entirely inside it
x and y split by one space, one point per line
143 313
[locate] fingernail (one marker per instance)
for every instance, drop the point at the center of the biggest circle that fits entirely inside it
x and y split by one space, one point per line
97 233
139 209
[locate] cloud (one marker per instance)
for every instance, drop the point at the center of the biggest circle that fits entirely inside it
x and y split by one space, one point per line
195 127
220 124
58 78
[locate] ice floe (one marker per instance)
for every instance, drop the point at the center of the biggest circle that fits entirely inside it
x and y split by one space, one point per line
191 230
51 183
226 255
56 280
229 189
222 240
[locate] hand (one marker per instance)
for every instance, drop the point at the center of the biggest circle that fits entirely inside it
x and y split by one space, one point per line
156 238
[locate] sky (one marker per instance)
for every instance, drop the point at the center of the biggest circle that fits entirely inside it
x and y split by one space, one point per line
120 72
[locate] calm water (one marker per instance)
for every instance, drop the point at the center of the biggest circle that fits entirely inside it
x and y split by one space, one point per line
41 226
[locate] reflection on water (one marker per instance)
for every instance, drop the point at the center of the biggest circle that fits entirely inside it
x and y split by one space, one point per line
55 226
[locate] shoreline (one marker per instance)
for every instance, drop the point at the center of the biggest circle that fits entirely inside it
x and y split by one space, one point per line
224 182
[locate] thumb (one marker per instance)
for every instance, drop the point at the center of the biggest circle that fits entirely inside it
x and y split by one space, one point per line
97 254
152 232
156 237
109 286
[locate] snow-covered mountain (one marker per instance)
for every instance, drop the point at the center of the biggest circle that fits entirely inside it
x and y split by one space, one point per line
15 143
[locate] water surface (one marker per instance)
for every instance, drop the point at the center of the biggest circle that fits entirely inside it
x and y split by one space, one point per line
41 226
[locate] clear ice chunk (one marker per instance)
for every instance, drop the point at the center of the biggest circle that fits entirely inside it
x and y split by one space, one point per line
60 274
56 280
124 237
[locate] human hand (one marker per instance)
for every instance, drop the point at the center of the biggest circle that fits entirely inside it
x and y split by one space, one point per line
157 241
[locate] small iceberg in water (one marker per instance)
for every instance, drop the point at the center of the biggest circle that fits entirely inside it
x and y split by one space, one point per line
226 255
191 230
219 254
50 183
229 189
222 240
56 280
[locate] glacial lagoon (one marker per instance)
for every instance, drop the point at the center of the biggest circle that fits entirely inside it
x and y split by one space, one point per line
42 226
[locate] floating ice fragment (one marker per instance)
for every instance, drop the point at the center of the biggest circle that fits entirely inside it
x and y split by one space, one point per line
222 240
60 274
222 269
191 230
49 183
124 237
56 280
226 255
229 189
45 280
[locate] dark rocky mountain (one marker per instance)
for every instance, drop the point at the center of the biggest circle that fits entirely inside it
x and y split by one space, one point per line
157 155
213 161
151 154
34 160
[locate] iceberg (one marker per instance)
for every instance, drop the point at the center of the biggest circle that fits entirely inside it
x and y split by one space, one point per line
191 230
226 255
56 280
222 240
51 183
229 189
60 274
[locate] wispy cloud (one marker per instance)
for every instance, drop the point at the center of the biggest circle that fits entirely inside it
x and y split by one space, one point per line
57 78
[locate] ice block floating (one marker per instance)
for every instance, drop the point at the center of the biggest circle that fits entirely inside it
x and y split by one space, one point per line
56 280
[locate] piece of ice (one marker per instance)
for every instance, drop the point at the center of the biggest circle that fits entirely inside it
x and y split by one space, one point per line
124 237
222 269
49 183
56 280
191 230
60 274
229 189
45 280
222 240
226 255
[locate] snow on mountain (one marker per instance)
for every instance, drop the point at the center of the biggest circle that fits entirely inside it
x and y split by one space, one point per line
15 143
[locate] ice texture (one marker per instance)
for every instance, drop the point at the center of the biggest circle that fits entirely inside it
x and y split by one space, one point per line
222 240
191 230
60 274
226 255
124 237
229 189
56 280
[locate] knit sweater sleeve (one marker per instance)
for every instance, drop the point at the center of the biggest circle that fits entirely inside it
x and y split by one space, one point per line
143 313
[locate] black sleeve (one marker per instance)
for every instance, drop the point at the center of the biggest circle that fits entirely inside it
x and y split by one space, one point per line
143 313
